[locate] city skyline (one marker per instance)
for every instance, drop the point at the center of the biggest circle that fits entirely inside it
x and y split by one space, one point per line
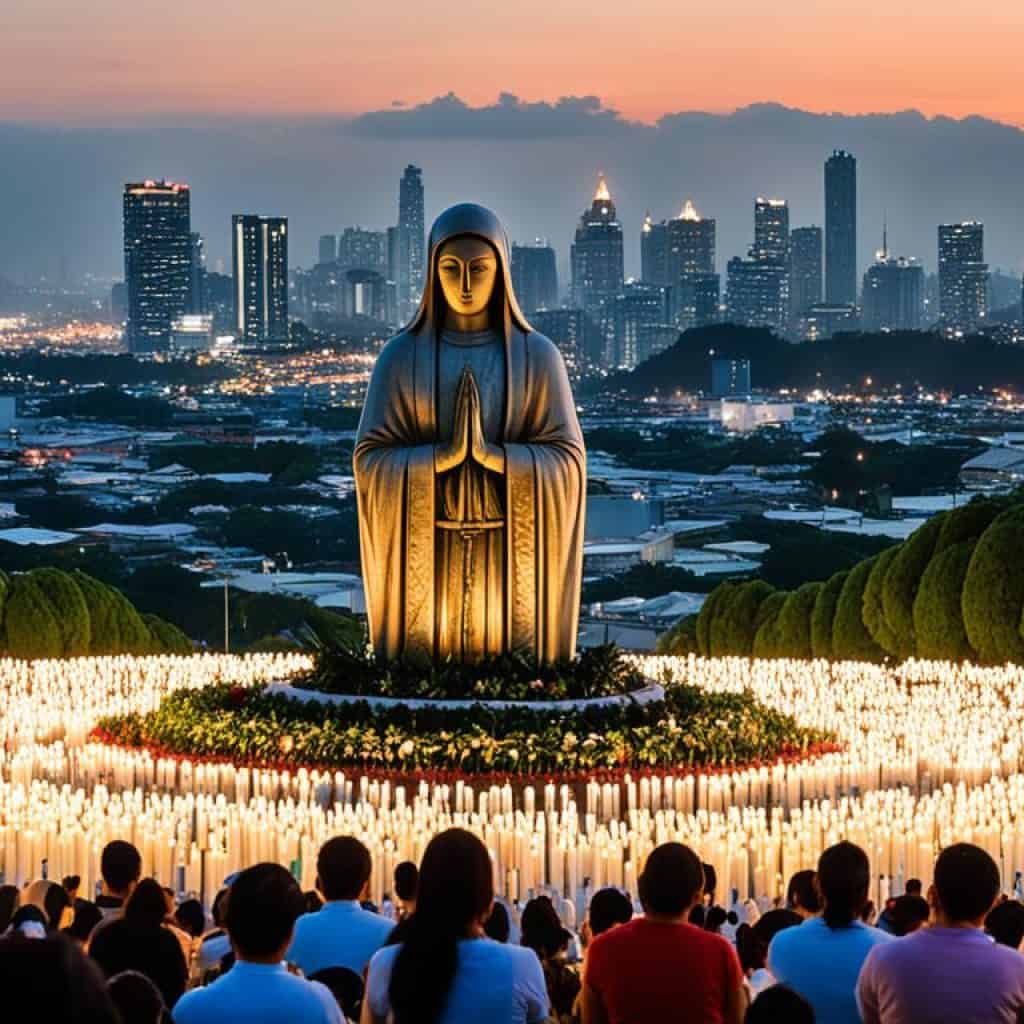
330 60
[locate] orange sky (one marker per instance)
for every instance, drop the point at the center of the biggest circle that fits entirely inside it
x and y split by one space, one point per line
63 59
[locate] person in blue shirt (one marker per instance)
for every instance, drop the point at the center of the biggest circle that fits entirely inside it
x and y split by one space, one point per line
445 970
341 933
263 906
822 958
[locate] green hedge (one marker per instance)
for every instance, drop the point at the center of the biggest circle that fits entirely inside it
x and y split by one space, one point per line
953 590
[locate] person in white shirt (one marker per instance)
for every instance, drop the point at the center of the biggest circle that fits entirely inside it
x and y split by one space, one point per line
264 905
340 933
445 971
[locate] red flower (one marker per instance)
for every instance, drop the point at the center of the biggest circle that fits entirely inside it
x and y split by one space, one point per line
237 696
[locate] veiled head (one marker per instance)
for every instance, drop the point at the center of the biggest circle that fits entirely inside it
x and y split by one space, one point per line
458 228
467 268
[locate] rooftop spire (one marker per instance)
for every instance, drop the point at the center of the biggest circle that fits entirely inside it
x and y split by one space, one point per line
689 211
602 195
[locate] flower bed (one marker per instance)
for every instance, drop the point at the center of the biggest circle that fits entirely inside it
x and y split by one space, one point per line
691 727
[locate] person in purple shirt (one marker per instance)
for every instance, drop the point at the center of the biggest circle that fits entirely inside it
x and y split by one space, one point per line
952 971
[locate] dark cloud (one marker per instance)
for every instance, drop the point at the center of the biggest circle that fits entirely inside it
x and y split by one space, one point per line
510 117
535 163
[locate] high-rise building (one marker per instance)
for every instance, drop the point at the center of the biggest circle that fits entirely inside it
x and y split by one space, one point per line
577 336
804 270
411 241
757 293
535 276
597 256
157 261
893 294
360 249
654 252
771 230
963 277
636 324
327 249
730 377
260 269
197 275
841 229
695 300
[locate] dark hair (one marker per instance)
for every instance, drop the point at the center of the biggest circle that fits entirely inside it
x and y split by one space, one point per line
54 977
29 913
497 926
906 913
671 878
147 906
190 916
542 931
120 865
137 999
608 907
56 901
312 901
715 918
219 908
779 1003
843 879
264 905
914 887
407 877
867 912
710 879
802 892
72 883
752 941
966 881
698 915
1005 923
342 867
87 916
8 905
456 889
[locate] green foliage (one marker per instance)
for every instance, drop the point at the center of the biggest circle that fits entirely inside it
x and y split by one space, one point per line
721 594
691 727
735 625
792 631
69 609
647 579
31 629
718 633
968 522
874 611
166 639
287 462
938 617
993 591
765 643
850 639
681 639
902 580
824 613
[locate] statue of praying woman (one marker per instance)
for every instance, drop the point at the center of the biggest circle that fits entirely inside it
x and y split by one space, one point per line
470 469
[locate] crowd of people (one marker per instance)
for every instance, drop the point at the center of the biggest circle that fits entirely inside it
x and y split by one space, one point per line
443 950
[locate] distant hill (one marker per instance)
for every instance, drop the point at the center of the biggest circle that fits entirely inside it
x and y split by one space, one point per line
906 358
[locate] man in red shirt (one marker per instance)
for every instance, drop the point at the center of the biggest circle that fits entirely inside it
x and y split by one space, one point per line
659 967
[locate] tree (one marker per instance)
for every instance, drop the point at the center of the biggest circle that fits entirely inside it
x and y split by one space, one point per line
30 626
873 611
708 611
938 616
69 609
993 590
765 643
824 613
902 580
792 631
851 640
165 638
734 627
968 522
681 639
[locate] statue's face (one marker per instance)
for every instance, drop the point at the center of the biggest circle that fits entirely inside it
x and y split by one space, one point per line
468 268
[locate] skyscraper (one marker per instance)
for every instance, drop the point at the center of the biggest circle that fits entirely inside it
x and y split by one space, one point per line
197 274
535 276
327 249
359 248
963 277
893 294
260 268
804 270
157 261
636 325
411 241
596 257
771 230
757 288
691 243
654 252
841 229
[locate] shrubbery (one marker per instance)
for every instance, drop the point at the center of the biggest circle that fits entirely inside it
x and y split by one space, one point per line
954 590
48 613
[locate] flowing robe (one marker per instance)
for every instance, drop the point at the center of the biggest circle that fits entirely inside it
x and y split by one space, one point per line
544 484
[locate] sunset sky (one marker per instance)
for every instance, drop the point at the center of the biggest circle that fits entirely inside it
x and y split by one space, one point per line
67 60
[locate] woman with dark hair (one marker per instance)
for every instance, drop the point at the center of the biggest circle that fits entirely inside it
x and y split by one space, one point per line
87 916
445 971
752 942
140 941
137 999
542 932
822 958
52 899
